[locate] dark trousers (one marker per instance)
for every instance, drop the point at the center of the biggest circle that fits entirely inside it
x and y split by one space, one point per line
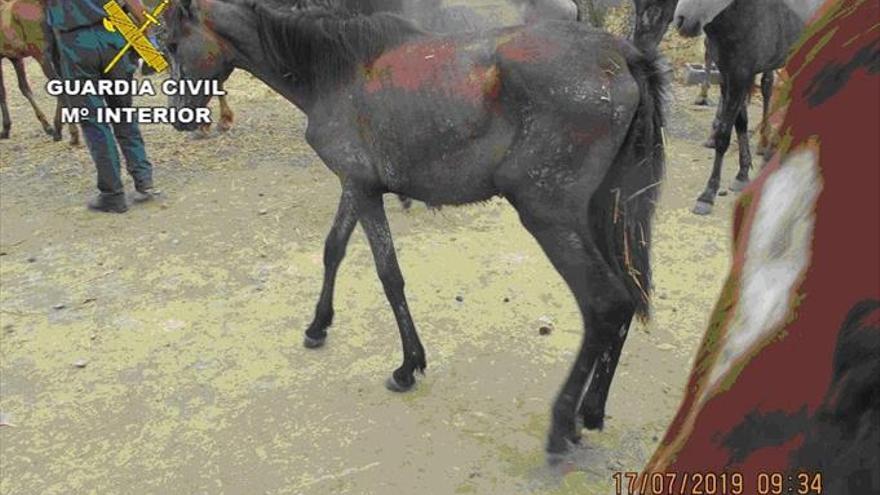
83 54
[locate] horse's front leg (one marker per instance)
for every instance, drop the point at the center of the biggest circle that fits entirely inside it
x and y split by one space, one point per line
371 213
334 252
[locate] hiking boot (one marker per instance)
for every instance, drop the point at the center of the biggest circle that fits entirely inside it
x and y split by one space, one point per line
110 203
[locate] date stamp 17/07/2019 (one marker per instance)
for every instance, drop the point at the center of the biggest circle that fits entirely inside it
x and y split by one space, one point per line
716 483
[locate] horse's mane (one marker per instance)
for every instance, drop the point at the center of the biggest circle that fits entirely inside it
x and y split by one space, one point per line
365 7
319 43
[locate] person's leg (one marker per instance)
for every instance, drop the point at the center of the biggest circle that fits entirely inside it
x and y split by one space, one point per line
129 135
79 54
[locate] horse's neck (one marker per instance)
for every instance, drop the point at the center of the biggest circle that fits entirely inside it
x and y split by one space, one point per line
805 9
237 30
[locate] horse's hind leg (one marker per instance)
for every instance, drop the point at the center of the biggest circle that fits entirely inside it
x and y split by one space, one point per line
745 157
371 214
764 129
604 304
334 252
4 109
592 409
25 88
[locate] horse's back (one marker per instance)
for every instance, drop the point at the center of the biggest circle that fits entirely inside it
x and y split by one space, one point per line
452 109
569 68
765 29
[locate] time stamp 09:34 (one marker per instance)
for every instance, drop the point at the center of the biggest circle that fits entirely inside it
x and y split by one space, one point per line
722 483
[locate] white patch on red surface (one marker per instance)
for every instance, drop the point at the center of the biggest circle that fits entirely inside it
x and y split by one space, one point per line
778 253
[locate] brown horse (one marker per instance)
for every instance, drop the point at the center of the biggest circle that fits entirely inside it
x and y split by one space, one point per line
23 34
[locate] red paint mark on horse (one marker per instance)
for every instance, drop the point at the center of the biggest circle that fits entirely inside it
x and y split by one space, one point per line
438 66
529 48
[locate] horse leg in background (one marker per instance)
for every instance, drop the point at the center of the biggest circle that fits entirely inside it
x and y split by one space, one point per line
371 214
49 72
51 65
204 129
4 109
334 252
25 89
592 408
767 80
703 97
74 129
745 157
226 115
734 93
710 141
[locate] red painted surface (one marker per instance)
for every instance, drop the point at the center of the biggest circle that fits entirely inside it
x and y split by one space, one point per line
794 371
449 67
440 66
528 47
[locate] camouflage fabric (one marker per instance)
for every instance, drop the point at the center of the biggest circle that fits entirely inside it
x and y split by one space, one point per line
83 55
67 15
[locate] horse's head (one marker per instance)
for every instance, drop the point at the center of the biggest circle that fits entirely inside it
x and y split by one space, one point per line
652 21
195 52
692 15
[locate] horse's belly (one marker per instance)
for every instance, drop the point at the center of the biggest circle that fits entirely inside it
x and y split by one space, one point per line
433 147
459 177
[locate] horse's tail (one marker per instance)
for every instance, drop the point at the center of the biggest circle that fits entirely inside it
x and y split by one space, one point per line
623 207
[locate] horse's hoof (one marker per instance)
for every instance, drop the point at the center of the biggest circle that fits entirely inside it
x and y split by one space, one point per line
311 343
738 185
393 385
559 452
56 137
594 423
556 458
702 102
709 143
702 208
4 135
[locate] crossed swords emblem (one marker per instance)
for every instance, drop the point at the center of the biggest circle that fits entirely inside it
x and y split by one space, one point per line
135 36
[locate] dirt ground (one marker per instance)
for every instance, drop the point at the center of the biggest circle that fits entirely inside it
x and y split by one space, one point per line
160 351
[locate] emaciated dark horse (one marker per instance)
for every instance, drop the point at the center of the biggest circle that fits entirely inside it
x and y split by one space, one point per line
563 121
